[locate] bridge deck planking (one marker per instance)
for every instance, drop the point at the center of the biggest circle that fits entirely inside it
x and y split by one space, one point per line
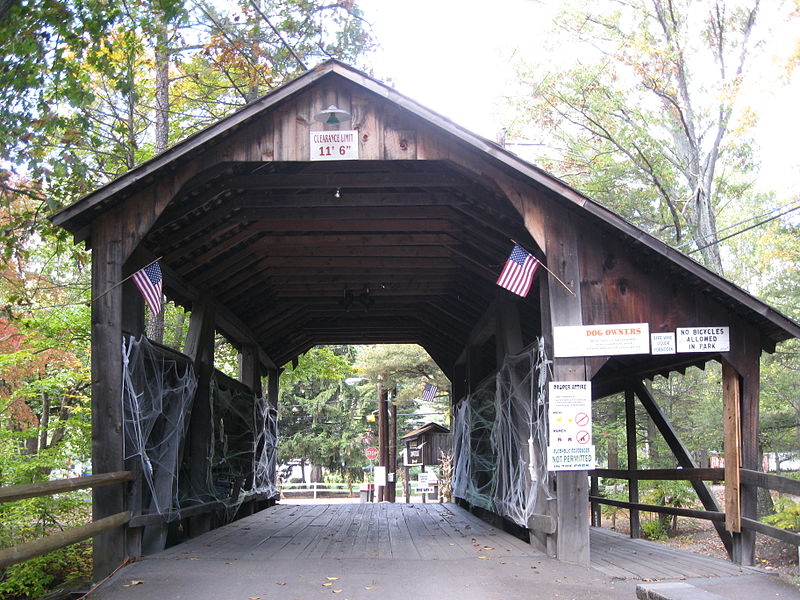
623 557
421 531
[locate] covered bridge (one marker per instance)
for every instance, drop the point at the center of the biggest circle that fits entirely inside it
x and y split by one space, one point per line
269 240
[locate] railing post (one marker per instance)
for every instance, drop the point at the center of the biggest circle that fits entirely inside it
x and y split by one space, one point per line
633 461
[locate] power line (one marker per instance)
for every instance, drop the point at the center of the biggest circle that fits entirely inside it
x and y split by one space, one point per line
753 226
742 222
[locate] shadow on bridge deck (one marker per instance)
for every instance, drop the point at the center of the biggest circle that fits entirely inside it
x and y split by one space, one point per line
386 551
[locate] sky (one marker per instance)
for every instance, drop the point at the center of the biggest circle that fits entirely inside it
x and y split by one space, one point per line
457 57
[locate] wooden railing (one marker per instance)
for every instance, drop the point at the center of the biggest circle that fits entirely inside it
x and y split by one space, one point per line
747 477
28 550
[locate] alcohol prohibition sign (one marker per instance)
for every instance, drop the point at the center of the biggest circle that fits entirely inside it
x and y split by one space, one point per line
583 437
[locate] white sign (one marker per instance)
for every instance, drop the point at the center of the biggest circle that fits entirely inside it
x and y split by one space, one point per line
422 479
570 413
570 458
379 475
703 339
334 145
662 343
601 340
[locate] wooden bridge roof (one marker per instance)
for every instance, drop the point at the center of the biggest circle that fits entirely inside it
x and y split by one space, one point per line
403 245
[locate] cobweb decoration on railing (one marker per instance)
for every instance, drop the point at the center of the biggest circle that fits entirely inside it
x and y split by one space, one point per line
244 431
266 448
500 438
157 393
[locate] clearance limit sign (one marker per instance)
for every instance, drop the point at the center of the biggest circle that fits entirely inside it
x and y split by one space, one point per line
334 145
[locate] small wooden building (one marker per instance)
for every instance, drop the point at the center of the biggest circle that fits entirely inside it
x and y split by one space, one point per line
281 232
426 445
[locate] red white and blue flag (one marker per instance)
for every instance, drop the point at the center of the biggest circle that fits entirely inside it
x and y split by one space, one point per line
517 275
429 392
148 280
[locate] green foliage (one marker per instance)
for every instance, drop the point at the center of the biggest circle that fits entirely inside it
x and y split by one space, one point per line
677 494
35 577
787 514
654 530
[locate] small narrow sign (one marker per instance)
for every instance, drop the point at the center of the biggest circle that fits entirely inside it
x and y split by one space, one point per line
662 343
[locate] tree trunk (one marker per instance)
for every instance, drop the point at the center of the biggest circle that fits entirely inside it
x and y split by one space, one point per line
155 323
44 422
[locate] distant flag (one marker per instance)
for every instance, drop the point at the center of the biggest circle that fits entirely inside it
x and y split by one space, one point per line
429 392
148 280
518 272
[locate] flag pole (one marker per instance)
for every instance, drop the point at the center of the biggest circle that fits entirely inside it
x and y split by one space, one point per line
116 285
544 267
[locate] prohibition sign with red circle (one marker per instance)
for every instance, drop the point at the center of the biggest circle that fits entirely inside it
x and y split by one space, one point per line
581 419
583 437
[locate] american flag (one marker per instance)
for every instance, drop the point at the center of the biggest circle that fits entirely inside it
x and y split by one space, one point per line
518 272
148 280
429 392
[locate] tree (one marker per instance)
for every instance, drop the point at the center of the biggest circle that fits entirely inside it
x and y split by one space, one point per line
406 368
653 125
322 420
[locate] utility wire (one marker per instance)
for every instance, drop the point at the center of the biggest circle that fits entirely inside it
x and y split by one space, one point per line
742 222
753 226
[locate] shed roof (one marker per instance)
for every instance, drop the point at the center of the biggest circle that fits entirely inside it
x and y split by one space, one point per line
392 249
427 428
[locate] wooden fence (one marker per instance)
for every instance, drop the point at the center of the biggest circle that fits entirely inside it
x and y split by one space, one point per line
28 550
746 476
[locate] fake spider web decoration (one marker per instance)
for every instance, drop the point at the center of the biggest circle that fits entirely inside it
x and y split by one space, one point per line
500 439
158 389
244 449
159 394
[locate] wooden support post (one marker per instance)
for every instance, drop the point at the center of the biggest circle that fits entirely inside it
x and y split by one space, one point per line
633 460
459 385
683 457
733 456
744 357
594 510
563 308
250 369
109 547
546 503
391 482
133 325
383 435
200 348
273 387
